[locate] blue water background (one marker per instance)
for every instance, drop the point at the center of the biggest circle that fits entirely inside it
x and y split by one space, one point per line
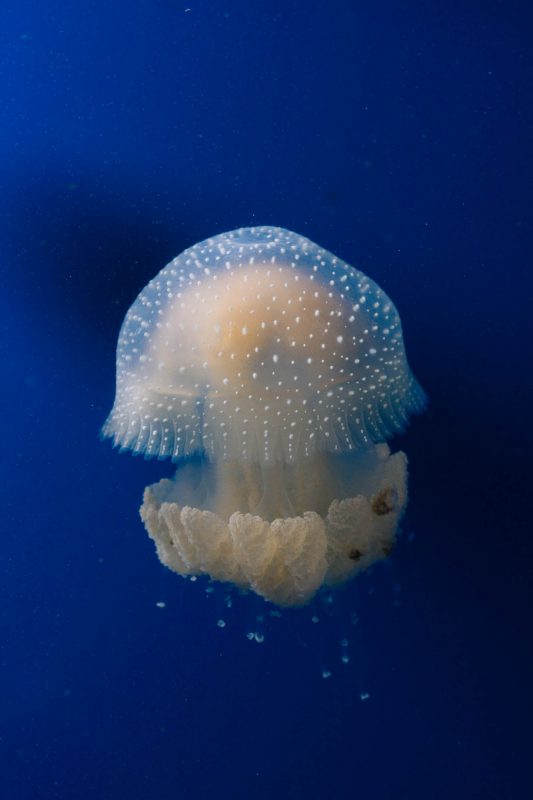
397 135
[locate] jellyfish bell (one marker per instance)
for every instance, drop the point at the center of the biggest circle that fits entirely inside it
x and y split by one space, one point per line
273 373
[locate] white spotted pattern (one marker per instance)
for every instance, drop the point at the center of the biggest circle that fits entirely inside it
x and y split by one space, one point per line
258 345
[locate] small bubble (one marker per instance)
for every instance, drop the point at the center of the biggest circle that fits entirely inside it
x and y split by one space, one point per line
161 604
221 623
326 673
364 696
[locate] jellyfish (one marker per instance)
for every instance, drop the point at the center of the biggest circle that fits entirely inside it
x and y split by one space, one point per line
272 373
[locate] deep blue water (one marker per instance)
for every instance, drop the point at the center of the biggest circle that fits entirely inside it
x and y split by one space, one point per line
397 135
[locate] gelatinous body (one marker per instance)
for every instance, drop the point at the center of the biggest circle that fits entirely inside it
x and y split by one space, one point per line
272 372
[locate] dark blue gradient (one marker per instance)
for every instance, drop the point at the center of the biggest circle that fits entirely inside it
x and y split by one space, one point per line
397 135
